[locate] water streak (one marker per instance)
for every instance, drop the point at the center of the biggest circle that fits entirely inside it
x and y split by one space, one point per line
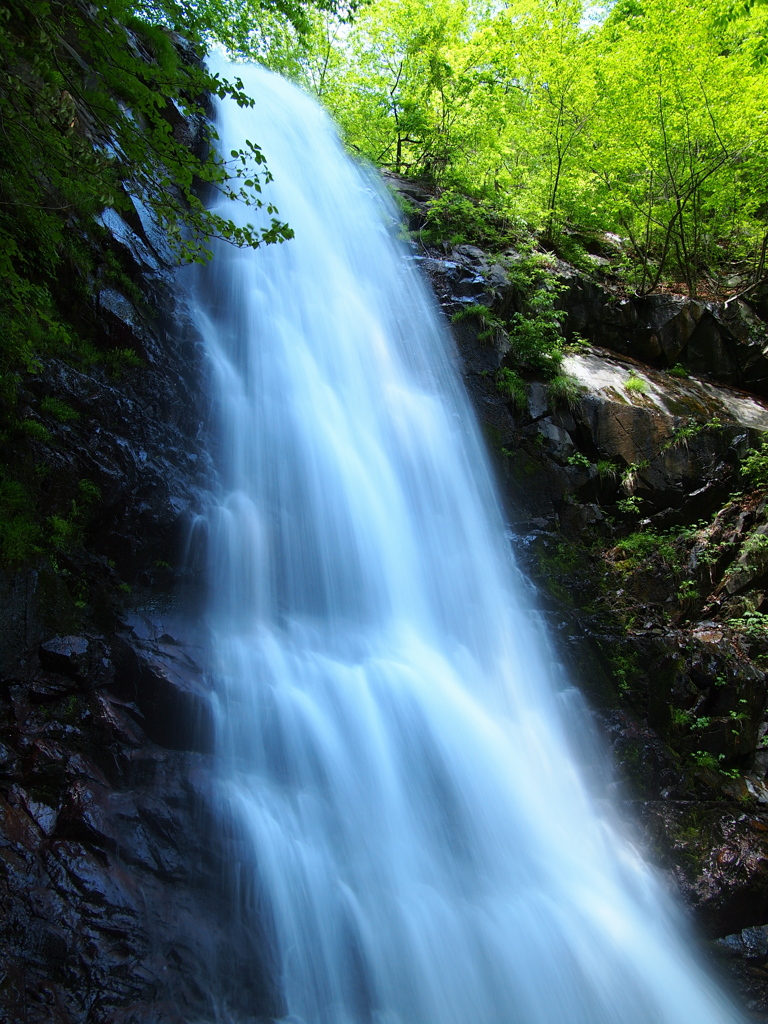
393 740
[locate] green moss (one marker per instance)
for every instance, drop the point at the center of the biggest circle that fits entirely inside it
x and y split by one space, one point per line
35 430
59 409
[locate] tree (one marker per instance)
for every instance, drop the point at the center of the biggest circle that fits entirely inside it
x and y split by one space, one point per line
676 139
392 89
93 99
96 100
542 61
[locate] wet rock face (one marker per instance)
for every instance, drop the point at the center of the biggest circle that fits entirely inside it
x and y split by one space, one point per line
115 863
726 342
646 627
118 863
134 437
623 512
116 859
138 437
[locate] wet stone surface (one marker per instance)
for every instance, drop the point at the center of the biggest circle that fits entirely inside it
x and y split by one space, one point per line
115 891
651 629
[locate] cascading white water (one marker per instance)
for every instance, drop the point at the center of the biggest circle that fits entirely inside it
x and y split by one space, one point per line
393 741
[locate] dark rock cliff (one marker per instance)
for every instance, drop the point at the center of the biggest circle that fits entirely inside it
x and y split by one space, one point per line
115 875
630 510
117 899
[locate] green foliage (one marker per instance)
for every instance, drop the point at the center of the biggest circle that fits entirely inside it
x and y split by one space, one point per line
649 125
607 470
754 625
101 104
635 384
563 390
32 523
536 342
630 473
58 409
755 548
572 251
678 370
512 386
476 311
65 532
89 109
37 431
455 218
118 360
239 24
92 98
640 546
683 434
704 759
680 717
629 506
491 323
19 530
625 668
534 331
579 459
755 466
687 591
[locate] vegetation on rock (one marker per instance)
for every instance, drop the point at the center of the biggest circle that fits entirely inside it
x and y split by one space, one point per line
102 112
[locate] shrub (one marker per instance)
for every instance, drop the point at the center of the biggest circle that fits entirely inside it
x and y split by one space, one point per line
579 459
456 218
537 342
636 384
512 386
59 409
629 506
490 322
755 466
563 390
678 370
534 332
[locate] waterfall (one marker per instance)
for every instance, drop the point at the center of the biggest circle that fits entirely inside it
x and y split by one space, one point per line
394 740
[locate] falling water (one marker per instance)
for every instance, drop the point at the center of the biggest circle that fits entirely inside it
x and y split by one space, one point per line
393 741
